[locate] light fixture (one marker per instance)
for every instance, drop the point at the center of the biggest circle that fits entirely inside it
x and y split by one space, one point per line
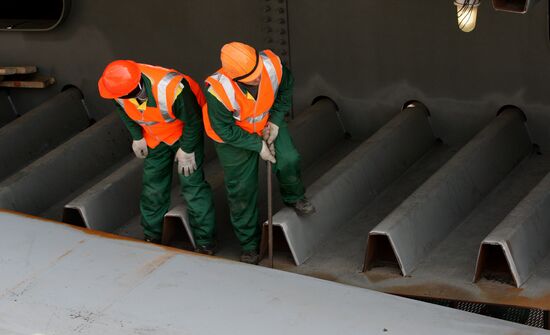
466 12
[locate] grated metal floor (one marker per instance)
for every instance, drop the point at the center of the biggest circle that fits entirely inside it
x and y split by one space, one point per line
530 317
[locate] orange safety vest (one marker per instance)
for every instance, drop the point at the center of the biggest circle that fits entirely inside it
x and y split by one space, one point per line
159 123
249 114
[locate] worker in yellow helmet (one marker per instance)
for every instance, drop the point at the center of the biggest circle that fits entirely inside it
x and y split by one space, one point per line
247 100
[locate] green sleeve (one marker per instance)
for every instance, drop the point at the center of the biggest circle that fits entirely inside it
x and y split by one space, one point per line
283 101
135 129
186 108
223 123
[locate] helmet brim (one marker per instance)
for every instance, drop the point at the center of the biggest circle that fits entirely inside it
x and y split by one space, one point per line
254 75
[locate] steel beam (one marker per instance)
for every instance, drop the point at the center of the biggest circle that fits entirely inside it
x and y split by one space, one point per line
522 239
356 180
115 199
40 130
109 203
436 208
313 132
62 171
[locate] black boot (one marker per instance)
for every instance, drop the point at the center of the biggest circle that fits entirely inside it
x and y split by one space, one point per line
250 257
155 240
208 249
303 207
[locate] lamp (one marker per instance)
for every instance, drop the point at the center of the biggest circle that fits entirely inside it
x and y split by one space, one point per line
466 12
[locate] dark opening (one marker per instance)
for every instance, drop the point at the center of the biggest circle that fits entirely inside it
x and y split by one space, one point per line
380 254
175 235
32 14
281 249
516 6
493 265
72 216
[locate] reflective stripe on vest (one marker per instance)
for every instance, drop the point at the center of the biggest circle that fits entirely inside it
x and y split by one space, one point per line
145 123
161 93
230 92
272 73
258 118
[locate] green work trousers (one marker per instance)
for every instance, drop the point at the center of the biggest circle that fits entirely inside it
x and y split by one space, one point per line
240 168
155 195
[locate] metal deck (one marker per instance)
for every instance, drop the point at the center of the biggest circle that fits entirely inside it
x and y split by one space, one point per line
57 279
493 207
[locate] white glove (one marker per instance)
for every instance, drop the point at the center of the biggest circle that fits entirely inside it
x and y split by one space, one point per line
140 148
266 153
270 133
186 162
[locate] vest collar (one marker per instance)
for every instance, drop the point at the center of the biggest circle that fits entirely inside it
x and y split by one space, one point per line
149 89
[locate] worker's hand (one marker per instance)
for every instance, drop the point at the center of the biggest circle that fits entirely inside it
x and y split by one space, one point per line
266 153
186 162
140 148
270 132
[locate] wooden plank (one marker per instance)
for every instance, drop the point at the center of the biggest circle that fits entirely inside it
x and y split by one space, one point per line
7 71
10 70
36 81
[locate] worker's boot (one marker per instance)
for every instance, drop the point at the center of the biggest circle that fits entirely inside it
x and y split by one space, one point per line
303 207
153 240
250 257
208 249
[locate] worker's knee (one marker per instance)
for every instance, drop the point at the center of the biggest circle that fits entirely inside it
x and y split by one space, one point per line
288 160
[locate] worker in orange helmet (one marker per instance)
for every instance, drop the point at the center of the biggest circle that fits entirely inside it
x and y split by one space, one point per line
247 100
161 109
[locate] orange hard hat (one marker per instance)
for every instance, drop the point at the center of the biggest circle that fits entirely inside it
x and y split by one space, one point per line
241 62
119 78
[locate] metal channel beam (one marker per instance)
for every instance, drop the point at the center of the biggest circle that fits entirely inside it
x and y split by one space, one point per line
109 203
436 208
40 130
78 281
313 131
115 199
63 170
522 238
356 180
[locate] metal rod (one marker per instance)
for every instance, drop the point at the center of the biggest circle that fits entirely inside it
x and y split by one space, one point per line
270 214
12 104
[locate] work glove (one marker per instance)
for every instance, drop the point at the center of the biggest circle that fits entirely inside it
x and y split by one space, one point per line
266 154
140 148
186 162
270 133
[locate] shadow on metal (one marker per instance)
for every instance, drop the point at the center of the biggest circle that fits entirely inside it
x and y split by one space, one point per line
356 180
434 210
517 245
40 130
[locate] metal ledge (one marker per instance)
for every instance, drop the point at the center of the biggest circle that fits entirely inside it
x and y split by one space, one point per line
57 279
515 247
40 130
433 210
356 181
63 170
